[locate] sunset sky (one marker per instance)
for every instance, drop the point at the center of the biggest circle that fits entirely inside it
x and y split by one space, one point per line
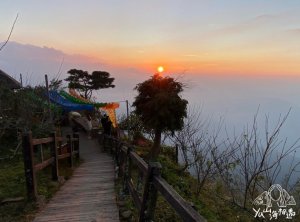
234 56
198 36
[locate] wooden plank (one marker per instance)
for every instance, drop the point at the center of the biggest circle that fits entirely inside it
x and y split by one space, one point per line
135 195
44 164
42 141
63 156
59 139
184 210
142 165
89 194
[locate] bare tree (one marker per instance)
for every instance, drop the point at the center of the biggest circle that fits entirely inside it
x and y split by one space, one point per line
258 160
247 164
203 152
10 33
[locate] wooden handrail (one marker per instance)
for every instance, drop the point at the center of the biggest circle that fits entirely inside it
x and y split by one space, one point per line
153 183
142 165
184 210
44 164
134 194
28 154
42 141
63 156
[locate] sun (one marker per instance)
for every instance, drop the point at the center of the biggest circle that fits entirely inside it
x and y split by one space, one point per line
160 69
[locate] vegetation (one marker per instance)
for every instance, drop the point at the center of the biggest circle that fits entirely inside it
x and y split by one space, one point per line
13 186
86 83
160 107
222 178
213 201
22 110
246 165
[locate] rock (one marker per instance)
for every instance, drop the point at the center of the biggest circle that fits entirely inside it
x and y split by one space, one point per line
126 214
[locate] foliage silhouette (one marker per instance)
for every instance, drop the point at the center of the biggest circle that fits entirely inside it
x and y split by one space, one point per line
86 83
160 107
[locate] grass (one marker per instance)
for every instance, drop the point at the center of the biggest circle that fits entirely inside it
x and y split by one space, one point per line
13 185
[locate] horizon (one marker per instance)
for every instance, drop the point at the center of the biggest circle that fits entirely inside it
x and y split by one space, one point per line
234 56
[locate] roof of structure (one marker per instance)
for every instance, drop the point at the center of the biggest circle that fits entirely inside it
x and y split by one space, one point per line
9 81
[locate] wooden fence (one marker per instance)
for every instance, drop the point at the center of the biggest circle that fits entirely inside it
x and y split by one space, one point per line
58 151
145 197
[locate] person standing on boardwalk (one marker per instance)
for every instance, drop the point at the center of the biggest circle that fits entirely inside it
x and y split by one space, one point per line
106 124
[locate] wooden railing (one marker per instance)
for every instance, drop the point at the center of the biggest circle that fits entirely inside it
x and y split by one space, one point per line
145 201
57 151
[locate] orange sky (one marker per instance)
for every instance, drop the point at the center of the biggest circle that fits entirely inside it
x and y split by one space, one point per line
204 37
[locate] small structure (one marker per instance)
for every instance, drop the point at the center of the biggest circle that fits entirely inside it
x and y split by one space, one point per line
9 81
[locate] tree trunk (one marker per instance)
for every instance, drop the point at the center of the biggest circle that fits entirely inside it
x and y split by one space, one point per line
156 145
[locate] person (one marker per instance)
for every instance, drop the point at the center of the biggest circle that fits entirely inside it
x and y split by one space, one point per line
71 117
89 123
106 124
109 125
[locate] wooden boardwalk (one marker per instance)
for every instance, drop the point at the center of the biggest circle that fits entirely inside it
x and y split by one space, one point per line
89 195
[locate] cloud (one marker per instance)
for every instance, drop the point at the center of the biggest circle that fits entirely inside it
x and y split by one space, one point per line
295 31
265 17
257 22
190 55
34 61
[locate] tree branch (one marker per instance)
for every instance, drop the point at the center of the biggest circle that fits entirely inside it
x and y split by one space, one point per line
11 30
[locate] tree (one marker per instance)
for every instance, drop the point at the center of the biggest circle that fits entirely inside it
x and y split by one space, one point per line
86 83
259 160
22 110
10 33
201 148
160 107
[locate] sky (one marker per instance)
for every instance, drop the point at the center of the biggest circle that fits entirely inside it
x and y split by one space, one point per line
217 37
235 56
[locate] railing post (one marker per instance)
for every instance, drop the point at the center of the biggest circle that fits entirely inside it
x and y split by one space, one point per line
70 150
117 152
122 161
127 173
150 193
76 144
54 155
29 166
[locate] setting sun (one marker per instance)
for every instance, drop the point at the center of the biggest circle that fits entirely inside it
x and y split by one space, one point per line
160 69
